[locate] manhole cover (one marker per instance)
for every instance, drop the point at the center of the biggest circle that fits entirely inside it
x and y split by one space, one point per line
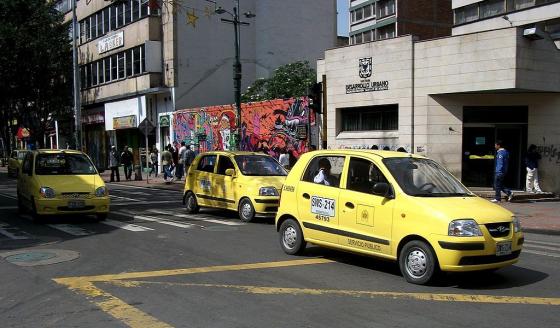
39 256
220 228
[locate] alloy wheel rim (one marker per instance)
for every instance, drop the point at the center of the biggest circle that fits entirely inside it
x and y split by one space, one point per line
416 263
289 237
246 210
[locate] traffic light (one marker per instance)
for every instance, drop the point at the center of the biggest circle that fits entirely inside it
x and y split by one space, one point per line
316 97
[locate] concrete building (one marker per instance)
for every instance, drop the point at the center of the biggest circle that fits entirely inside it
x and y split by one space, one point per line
372 20
141 60
451 98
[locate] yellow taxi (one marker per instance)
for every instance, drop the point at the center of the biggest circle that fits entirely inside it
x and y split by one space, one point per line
53 182
397 206
246 182
14 162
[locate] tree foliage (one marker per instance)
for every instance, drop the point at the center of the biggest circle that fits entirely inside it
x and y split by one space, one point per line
291 80
35 66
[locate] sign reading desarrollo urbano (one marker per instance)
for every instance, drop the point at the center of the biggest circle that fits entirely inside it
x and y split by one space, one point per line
365 85
111 42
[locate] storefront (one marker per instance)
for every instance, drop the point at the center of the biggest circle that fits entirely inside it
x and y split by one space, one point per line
93 136
450 99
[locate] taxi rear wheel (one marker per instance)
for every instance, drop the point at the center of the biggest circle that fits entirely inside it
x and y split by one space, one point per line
191 204
291 237
418 262
246 210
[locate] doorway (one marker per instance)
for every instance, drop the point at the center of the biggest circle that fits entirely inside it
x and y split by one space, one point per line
482 127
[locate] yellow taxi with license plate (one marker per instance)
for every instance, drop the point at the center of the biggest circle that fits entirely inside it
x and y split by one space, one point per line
14 162
247 182
397 206
54 182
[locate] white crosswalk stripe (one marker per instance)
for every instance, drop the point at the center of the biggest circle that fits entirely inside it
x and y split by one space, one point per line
157 220
71 229
543 248
13 232
126 226
197 217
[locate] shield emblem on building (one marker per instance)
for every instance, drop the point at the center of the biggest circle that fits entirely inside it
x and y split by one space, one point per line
366 67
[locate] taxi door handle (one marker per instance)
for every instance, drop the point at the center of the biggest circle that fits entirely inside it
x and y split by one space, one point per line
306 195
349 205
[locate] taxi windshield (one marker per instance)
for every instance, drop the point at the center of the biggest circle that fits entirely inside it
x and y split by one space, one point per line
63 164
258 165
424 178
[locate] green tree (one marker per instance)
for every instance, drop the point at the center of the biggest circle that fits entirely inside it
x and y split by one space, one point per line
35 66
291 80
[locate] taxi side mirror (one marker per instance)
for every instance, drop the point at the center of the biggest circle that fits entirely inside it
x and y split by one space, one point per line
383 189
230 172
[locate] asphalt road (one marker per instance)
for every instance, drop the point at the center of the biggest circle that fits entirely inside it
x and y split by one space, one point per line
151 265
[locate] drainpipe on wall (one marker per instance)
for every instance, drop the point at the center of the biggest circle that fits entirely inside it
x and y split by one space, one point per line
412 103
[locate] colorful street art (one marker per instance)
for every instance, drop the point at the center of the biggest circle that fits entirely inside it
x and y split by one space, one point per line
268 126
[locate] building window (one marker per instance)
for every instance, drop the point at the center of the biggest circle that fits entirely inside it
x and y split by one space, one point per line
107 64
367 36
144 8
386 32
101 70
106 16
119 9
370 118
385 8
136 61
114 69
143 58
63 6
127 11
121 62
492 8
135 9
367 11
466 14
358 38
93 26
99 17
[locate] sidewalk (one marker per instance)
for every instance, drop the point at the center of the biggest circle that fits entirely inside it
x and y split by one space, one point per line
153 182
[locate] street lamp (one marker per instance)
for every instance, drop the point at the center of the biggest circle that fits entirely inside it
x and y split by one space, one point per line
237 65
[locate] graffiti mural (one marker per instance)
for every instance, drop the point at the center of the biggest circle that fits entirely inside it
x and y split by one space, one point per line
268 126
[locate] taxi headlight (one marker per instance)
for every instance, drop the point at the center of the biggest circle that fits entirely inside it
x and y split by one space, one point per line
268 191
101 192
46 192
464 228
516 224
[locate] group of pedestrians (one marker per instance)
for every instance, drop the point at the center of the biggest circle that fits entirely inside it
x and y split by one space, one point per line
175 162
116 159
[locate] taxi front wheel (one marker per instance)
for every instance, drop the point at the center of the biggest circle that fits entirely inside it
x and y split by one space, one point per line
418 262
246 210
191 204
291 237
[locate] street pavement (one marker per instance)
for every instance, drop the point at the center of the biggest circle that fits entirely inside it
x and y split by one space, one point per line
152 265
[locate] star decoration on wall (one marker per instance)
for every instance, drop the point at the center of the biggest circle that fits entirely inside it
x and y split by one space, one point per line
191 18
208 11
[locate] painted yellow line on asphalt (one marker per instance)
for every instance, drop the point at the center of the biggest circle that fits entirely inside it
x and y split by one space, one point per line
359 294
132 316
177 272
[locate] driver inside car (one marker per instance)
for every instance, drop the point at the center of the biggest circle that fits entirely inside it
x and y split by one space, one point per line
324 175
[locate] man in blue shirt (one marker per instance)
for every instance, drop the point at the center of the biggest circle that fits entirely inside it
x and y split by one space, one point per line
500 171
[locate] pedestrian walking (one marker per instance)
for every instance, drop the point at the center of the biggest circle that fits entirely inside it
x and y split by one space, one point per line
126 160
114 162
167 163
500 171
189 158
284 159
154 161
180 169
532 165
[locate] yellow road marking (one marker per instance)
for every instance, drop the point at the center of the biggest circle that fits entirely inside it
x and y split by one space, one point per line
132 316
358 293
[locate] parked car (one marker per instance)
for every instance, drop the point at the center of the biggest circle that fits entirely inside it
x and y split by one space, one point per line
14 162
56 182
397 206
246 182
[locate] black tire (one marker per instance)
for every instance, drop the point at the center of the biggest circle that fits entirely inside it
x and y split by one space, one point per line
20 206
191 205
418 262
246 210
37 218
291 237
101 216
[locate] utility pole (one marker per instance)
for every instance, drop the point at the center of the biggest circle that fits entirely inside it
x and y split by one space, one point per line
77 105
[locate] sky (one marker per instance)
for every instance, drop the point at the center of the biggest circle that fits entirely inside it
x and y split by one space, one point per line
342 23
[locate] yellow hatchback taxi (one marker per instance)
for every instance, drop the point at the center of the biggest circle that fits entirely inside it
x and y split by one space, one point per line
246 182
396 206
14 162
53 182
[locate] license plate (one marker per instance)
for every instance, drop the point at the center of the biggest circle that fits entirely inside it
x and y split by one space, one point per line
322 206
76 204
503 248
